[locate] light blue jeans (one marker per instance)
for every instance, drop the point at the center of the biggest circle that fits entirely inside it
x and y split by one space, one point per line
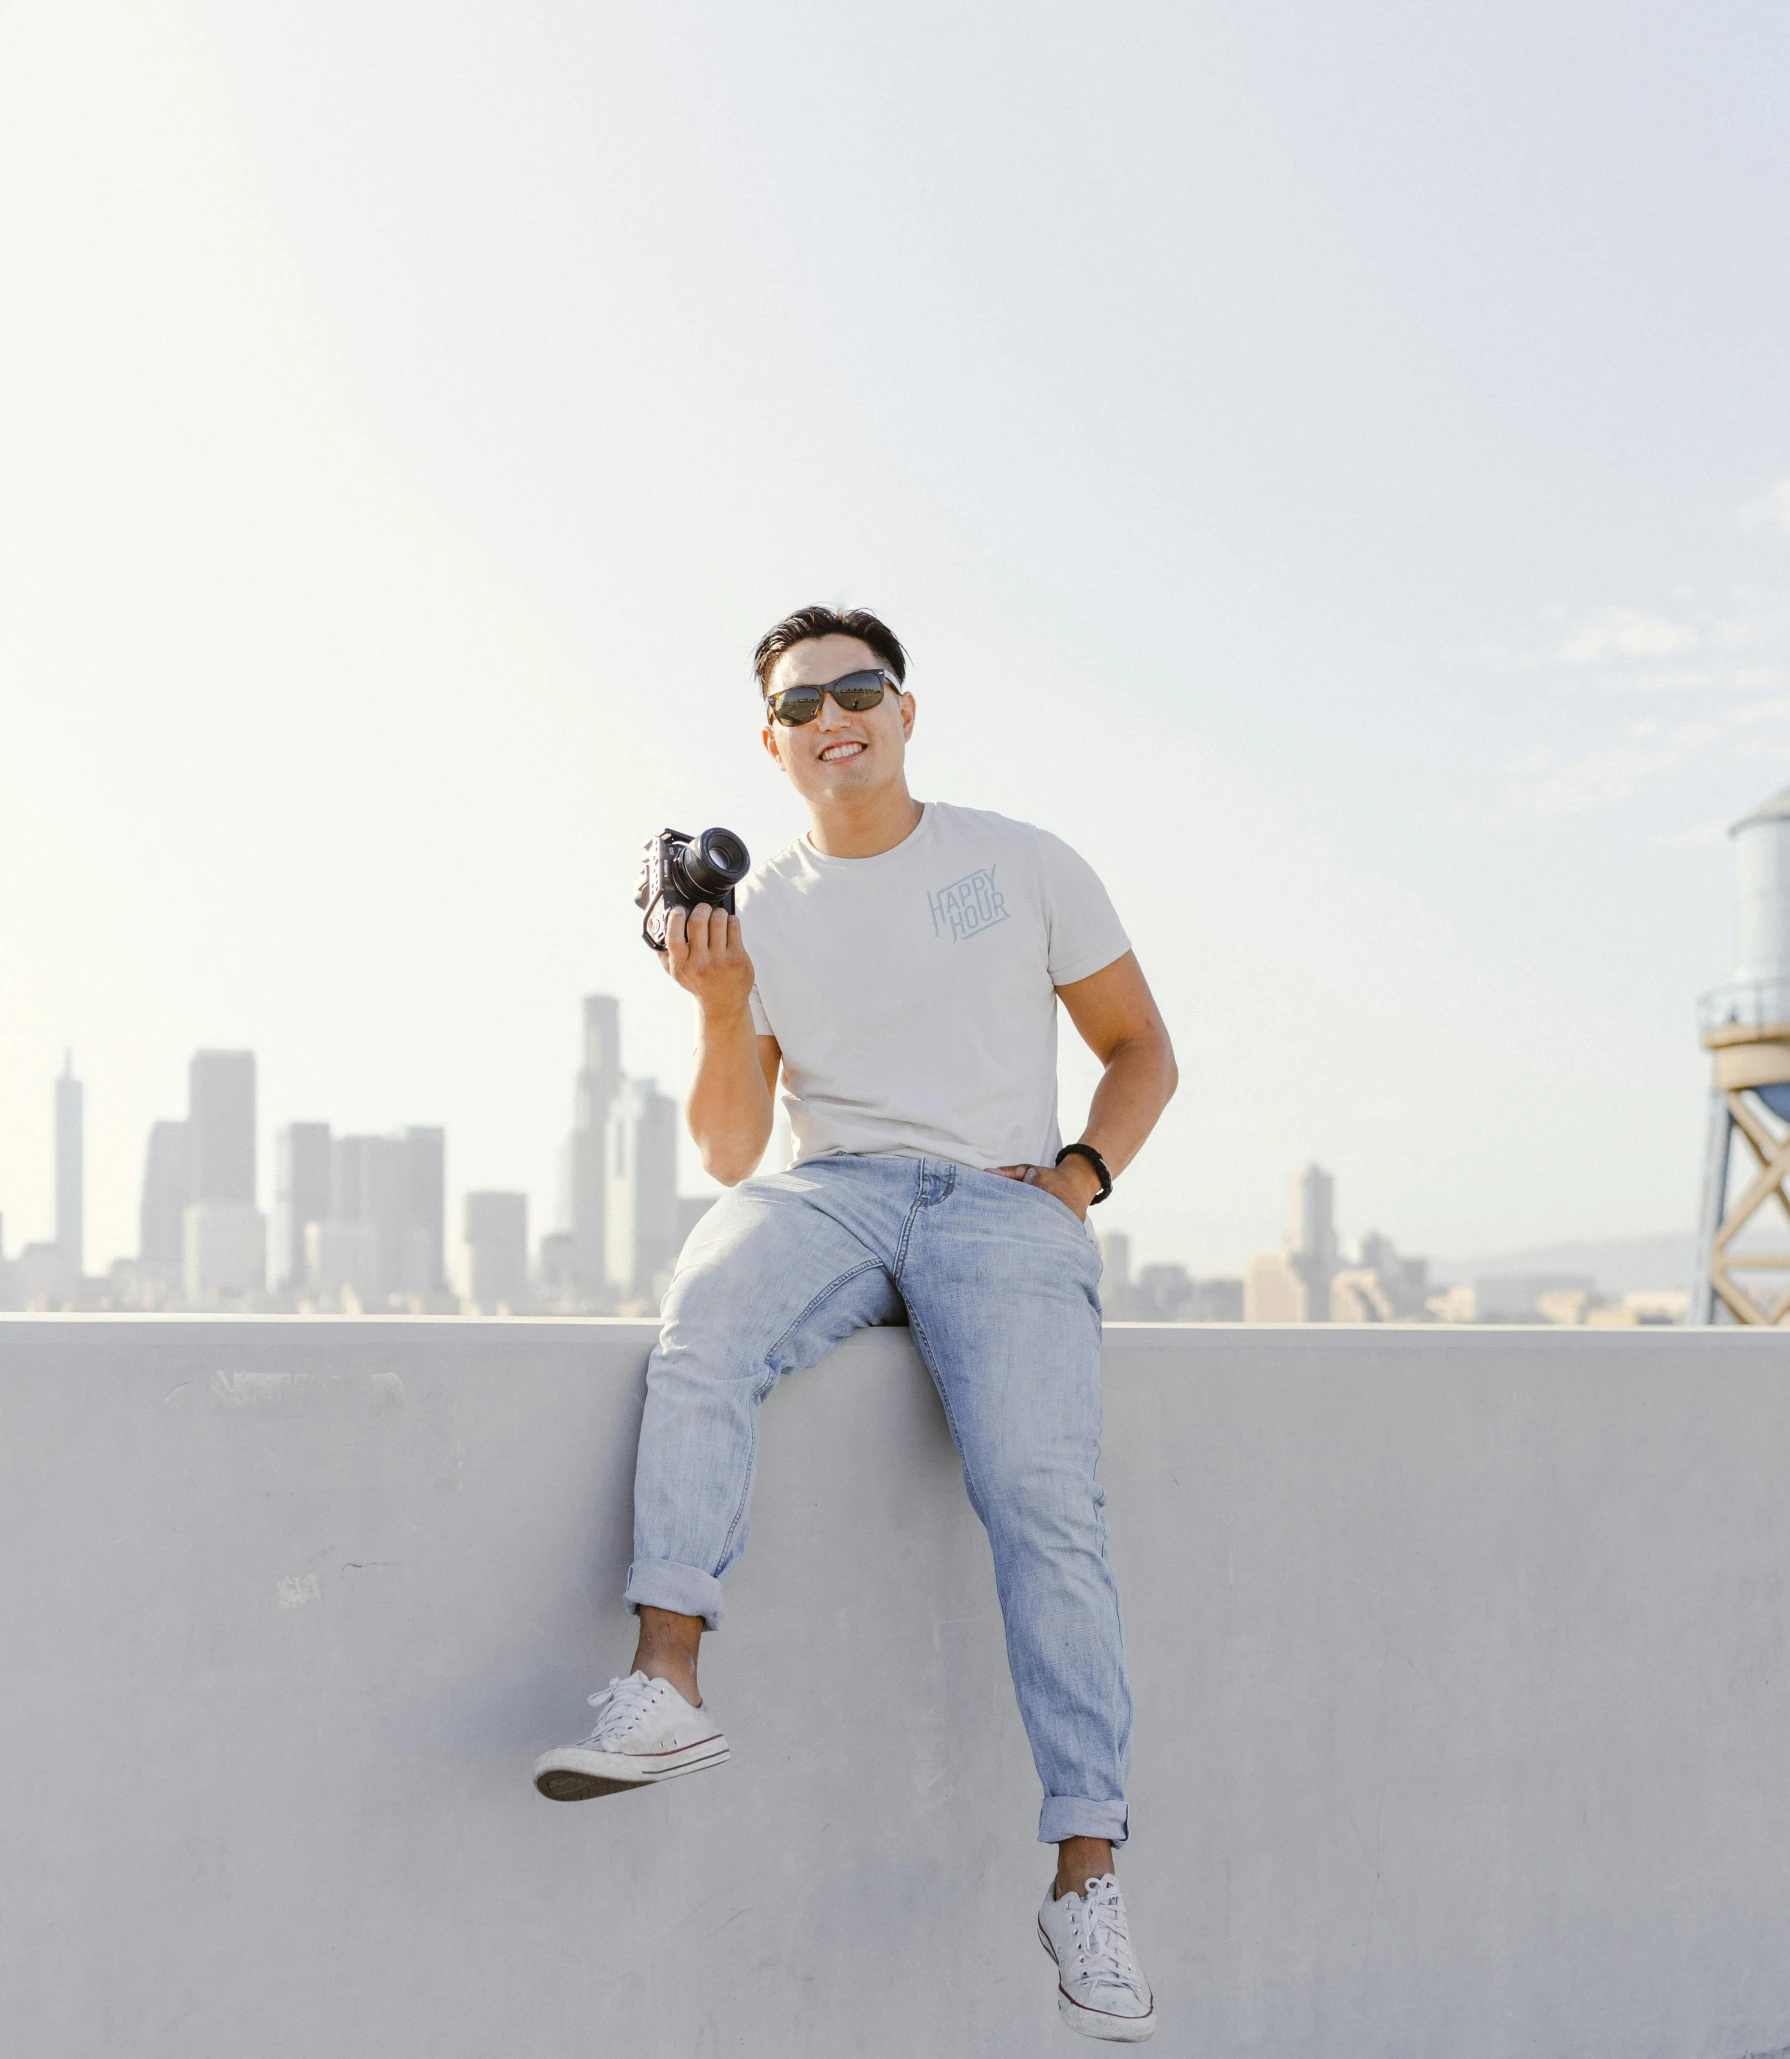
1000 1282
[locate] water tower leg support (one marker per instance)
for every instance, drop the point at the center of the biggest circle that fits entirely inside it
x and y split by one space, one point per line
1771 1149
1717 1144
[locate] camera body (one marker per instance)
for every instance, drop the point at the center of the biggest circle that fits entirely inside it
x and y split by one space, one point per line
682 871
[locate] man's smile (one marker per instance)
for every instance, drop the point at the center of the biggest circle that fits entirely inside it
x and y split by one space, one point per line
834 752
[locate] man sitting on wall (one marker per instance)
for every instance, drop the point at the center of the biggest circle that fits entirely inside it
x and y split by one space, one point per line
905 967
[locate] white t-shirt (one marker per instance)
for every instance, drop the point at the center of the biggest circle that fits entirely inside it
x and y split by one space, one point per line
912 994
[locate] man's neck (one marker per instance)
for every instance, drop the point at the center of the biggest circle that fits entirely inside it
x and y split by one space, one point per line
868 827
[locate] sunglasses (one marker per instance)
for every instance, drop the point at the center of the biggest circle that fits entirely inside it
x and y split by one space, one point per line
857 691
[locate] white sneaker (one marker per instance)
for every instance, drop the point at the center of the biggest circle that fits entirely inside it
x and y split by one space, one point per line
645 1731
1100 1991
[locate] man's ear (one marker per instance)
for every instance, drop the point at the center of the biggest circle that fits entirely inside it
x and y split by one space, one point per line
769 740
907 716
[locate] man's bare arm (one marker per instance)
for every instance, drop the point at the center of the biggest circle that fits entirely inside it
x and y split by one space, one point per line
730 1106
1117 1018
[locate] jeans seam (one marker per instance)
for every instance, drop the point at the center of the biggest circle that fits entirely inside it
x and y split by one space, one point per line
907 1230
763 1388
923 1345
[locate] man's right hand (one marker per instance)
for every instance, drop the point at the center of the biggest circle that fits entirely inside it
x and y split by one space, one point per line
730 1109
705 954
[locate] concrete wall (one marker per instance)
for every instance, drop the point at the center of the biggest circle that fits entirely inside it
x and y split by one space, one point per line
1460 1658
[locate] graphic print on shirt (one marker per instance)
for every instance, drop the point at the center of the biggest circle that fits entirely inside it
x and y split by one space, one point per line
968 905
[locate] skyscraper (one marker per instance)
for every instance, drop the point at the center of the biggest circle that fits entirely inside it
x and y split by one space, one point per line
1292 1285
640 1203
496 1272
165 1184
343 1257
224 1251
223 1233
71 1229
300 1196
425 1210
1311 1238
583 1180
221 1126
366 1187
394 1189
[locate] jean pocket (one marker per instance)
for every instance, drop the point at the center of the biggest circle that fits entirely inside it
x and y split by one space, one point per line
1050 1200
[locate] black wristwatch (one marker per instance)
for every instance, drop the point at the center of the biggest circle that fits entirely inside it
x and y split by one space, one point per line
1094 1158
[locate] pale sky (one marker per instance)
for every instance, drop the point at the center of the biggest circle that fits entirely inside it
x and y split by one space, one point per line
1330 464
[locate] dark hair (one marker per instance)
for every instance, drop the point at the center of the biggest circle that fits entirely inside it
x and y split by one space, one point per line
807 623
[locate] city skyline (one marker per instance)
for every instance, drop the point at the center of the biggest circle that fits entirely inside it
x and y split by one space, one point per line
359 1222
1336 545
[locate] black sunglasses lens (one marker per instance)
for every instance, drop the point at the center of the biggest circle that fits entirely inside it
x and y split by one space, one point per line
796 705
858 691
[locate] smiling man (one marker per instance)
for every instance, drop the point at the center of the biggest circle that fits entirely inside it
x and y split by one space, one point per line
897 970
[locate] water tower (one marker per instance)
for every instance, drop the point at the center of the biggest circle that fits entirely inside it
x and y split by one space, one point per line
1743 1237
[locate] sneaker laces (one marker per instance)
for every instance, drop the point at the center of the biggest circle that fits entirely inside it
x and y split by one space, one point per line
1103 1939
619 1704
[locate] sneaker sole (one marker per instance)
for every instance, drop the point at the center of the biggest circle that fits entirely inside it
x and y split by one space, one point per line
1097 2023
575 1776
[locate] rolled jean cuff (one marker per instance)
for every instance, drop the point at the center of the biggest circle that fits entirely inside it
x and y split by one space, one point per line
664 1584
1067 1815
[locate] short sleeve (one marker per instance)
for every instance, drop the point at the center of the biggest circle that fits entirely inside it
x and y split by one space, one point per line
1083 926
761 1022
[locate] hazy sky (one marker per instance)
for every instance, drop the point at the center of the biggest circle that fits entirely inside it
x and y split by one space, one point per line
1331 464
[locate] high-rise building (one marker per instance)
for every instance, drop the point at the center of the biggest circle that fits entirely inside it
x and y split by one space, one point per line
221 1126
223 1234
1292 1285
71 1230
367 1188
397 1187
165 1184
583 1176
44 1277
557 1274
342 1258
223 1251
425 1210
496 1268
1311 1237
641 1202
301 1172
1273 1292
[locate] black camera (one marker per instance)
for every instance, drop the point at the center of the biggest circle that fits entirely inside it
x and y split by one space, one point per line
680 871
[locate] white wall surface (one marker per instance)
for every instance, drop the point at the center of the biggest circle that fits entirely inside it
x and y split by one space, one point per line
1460 1660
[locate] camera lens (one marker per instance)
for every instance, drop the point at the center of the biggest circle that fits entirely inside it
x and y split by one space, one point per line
716 861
